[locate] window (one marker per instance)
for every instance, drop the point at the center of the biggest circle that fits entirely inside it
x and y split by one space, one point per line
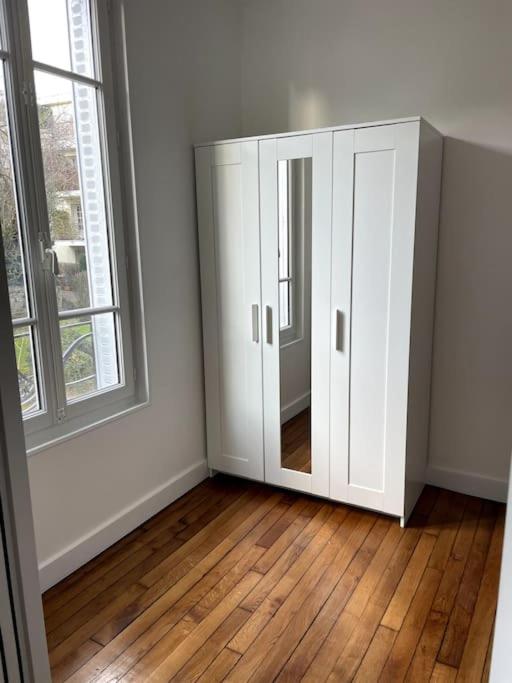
61 224
293 225
285 263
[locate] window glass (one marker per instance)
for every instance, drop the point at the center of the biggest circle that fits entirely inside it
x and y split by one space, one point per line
24 336
284 304
284 261
89 354
70 141
9 221
284 221
25 361
60 32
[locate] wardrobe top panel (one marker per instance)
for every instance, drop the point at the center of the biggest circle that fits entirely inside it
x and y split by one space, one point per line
368 124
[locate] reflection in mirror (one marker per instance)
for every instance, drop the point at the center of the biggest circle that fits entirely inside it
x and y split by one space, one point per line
294 199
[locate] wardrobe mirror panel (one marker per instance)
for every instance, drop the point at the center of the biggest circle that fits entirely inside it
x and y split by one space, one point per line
294 282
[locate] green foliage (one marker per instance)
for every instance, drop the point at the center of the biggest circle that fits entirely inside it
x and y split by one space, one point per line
80 362
61 225
23 354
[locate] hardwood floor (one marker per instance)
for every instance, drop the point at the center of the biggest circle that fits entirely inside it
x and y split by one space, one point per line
239 581
296 442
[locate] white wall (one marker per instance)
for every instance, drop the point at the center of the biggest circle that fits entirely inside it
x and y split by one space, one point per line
184 80
310 64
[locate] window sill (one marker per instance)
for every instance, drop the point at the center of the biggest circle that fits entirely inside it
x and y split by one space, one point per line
119 411
290 342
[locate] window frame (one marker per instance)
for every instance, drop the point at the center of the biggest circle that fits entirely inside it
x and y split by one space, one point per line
293 332
51 424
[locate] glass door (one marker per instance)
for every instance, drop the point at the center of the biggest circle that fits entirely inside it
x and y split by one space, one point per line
295 182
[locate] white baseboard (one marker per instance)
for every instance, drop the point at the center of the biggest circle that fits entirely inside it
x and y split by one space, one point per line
469 483
60 565
295 407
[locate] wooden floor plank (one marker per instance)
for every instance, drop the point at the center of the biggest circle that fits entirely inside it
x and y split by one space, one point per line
89 601
74 660
198 637
397 664
288 559
277 620
459 622
220 667
308 646
290 589
343 650
155 614
424 660
300 517
202 659
238 581
188 624
443 674
401 600
480 631
376 656
367 534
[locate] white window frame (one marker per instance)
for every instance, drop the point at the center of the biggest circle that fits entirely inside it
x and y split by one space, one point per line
57 418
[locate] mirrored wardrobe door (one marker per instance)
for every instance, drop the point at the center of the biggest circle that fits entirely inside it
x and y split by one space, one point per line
295 211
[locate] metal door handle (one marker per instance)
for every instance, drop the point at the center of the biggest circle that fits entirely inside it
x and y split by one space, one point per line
339 330
268 317
255 323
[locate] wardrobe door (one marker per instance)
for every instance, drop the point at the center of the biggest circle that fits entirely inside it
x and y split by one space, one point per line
374 189
228 216
295 206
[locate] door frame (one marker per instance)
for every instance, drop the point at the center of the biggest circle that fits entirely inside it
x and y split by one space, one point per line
22 632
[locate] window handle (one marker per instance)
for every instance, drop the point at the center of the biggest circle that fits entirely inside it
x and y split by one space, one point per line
268 317
255 323
339 330
51 262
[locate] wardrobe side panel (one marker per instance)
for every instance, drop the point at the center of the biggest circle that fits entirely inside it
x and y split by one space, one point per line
208 302
229 231
422 312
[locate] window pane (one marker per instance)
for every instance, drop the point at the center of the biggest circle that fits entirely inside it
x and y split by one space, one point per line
70 141
284 304
61 34
283 218
9 218
27 379
89 353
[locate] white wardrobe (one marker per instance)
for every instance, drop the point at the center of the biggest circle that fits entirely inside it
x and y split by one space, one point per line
318 259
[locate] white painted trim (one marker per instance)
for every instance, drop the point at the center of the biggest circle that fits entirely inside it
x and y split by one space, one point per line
295 407
469 483
88 546
314 131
